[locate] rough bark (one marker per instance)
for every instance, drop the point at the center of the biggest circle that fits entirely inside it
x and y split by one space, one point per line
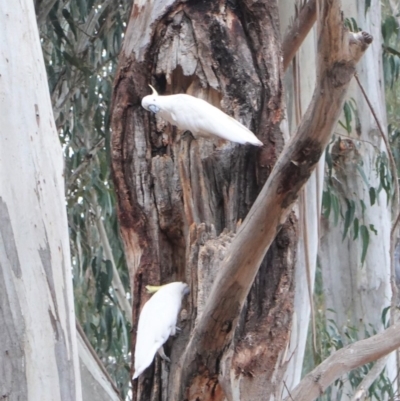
38 349
180 200
192 194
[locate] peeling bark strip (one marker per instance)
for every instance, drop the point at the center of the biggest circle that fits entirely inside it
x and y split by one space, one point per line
180 200
338 53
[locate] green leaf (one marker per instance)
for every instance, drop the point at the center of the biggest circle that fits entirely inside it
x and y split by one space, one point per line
364 233
57 26
347 116
362 173
70 21
336 208
349 216
372 195
363 208
384 320
109 326
326 204
367 6
355 228
391 50
110 272
353 106
373 229
328 161
83 9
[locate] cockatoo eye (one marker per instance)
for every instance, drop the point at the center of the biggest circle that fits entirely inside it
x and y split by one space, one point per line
154 108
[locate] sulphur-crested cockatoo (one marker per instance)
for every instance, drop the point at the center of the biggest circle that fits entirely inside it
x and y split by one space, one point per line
199 117
157 321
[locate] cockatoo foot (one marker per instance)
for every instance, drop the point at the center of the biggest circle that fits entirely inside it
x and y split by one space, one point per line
162 354
187 135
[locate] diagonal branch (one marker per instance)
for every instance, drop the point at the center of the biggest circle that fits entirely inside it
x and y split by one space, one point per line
362 389
338 53
298 31
344 360
117 285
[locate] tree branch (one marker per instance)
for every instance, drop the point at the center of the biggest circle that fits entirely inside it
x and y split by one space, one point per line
117 285
88 158
80 332
42 9
362 389
344 360
298 32
338 53
395 204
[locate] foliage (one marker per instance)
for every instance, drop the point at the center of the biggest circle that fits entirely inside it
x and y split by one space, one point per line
81 40
337 201
330 339
391 54
391 68
343 209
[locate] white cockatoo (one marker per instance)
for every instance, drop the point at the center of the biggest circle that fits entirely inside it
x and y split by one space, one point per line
157 321
198 116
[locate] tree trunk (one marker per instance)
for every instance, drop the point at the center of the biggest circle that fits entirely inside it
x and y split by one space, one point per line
180 200
38 346
299 83
356 293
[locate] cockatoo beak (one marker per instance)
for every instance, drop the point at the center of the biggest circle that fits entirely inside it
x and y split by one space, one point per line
154 91
151 289
154 108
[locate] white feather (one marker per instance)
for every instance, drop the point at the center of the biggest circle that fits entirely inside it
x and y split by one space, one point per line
199 117
157 321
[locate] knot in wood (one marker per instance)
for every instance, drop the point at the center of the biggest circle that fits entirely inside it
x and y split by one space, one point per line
341 73
227 326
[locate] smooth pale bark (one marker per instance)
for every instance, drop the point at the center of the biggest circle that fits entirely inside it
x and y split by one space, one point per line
358 293
298 29
299 83
39 359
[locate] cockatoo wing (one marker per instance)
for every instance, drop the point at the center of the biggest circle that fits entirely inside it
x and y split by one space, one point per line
200 117
156 322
